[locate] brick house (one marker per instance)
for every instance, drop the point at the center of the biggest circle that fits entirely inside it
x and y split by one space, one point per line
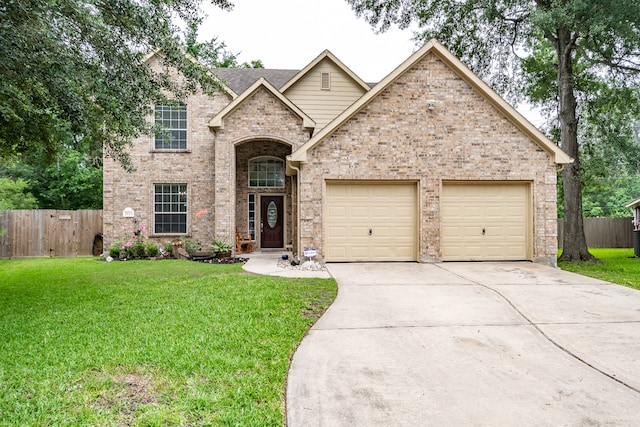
429 164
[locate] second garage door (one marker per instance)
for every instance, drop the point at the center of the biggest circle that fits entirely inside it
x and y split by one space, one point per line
485 222
370 222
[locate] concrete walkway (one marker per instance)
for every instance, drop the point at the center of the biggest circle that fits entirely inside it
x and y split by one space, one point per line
469 344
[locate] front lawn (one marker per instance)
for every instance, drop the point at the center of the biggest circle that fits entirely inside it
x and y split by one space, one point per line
613 265
148 343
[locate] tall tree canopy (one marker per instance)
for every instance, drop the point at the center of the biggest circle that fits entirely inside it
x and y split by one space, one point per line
212 53
568 46
75 69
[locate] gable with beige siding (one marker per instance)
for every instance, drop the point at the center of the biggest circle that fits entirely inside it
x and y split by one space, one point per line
323 105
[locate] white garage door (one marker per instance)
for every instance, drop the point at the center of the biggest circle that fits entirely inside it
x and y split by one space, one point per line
485 222
370 222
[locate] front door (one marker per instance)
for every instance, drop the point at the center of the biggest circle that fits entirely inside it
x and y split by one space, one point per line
271 222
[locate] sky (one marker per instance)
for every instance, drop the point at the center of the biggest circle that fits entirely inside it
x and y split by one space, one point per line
288 34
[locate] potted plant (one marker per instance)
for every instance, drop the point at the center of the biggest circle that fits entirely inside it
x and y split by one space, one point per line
222 248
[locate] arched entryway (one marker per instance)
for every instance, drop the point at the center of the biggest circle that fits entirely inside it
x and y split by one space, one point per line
264 194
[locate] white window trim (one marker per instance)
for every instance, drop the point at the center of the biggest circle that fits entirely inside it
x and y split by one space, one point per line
169 129
256 159
186 213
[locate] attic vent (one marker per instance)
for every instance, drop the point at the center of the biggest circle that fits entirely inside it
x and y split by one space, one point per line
326 81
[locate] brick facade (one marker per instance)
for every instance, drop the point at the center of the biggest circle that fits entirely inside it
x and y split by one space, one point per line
214 167
192 167
396 136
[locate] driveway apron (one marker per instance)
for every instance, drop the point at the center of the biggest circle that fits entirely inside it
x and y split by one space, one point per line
469 344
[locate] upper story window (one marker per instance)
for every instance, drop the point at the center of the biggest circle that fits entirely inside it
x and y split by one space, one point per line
266 172
173 119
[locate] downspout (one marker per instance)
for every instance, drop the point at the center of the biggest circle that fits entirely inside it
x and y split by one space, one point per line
295 168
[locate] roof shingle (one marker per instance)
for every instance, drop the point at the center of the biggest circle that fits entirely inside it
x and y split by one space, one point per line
239 79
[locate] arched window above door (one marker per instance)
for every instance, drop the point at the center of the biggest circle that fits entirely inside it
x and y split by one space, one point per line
266 172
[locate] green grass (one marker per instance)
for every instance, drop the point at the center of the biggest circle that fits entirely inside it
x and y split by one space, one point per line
613 265
144 343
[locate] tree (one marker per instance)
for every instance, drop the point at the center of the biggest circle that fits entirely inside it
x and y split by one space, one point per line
71 180
212 53
74 69
13 195
610 153
609 133
587 39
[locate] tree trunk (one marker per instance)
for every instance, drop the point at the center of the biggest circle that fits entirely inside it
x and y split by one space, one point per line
574 244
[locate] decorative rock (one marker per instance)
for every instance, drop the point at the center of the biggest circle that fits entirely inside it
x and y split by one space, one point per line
305 266
182 253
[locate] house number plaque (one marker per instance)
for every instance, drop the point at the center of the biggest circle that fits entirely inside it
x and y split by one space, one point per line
128 213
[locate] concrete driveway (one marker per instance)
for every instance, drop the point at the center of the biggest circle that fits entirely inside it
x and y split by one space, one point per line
469 344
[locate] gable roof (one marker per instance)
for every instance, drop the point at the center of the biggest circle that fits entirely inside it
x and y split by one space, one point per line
326 54
433 46
217 121
239 79
149 56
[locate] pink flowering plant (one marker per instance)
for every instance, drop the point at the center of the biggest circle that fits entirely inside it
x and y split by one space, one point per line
132 245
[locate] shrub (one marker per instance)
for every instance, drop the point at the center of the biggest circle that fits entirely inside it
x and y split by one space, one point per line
134 246
152 250
168 248
114 251
137 249
192 246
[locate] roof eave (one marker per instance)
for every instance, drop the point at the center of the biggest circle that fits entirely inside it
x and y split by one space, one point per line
633 204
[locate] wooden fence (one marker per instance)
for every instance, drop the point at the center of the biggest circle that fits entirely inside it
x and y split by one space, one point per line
44 233
604 232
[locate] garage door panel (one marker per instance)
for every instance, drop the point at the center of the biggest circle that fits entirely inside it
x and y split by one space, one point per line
404 211
357 211
357 192
336 252
388 210
359 252
501 210
337 232
337 210
401 232
381 213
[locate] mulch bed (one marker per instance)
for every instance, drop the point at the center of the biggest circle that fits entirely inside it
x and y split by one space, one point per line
214 260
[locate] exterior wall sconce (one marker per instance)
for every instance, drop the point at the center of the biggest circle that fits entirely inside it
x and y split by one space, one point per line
432 104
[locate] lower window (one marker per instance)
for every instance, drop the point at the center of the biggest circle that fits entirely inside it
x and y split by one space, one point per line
170 209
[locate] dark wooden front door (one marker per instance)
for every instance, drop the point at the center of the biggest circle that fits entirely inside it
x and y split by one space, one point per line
271 222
